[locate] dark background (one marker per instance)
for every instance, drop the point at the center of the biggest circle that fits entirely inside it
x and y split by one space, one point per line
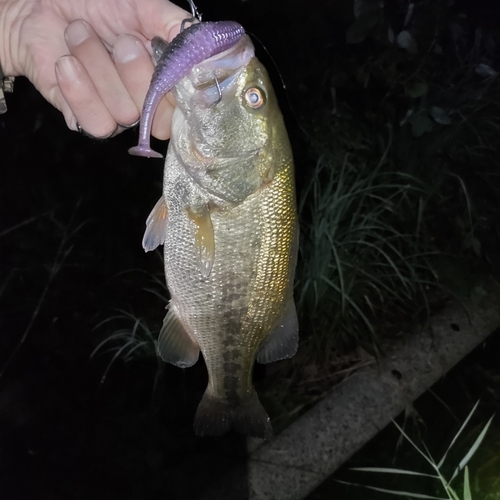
73 212
73 215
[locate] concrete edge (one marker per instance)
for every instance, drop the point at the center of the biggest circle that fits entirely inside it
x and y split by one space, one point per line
314 446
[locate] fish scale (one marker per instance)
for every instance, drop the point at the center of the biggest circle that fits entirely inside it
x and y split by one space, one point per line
228 222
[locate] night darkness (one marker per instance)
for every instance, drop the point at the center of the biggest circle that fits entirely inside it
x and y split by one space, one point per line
73 213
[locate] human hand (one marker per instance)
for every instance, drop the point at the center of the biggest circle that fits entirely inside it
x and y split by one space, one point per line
90 58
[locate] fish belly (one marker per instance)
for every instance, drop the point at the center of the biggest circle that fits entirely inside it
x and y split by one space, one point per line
233 309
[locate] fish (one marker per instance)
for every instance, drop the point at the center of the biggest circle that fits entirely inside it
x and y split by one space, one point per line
227 219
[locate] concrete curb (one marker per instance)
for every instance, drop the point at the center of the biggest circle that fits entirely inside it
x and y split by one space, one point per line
313 447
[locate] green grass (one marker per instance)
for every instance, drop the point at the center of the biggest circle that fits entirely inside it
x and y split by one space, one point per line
362 259
445 485
134 340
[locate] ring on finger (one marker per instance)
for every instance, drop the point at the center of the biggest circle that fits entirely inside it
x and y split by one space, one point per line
90 136
125 127
119 128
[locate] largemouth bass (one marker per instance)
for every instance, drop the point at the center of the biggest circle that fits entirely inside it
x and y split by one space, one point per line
228 222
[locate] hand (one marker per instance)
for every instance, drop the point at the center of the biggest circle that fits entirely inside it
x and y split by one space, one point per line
90 58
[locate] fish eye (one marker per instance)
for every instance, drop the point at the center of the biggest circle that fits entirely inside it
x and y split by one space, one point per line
254 98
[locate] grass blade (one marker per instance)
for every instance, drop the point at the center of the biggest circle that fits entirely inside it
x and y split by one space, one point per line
457 434
395 492
473 449
388 470
467 493
429 460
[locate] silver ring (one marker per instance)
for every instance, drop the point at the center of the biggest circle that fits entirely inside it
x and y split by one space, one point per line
125 127
86 134
90 136
119 128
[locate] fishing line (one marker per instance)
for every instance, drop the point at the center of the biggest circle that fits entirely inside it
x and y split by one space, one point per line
195 15
288 101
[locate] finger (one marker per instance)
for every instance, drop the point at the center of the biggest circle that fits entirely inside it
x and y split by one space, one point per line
162 122
61 104
135 67
87 47
82 97
160 18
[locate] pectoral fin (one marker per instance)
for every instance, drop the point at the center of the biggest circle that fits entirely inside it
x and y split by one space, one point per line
283 341
204 239
175 345
156 226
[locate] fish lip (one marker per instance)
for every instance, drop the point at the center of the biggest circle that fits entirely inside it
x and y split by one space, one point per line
225 66
244 44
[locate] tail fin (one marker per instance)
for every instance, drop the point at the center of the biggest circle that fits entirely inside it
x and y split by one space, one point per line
215 417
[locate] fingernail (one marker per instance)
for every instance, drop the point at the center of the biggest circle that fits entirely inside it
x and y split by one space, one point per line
76 33
67 68
127 49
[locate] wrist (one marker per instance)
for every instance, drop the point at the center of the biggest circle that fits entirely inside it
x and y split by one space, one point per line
12 15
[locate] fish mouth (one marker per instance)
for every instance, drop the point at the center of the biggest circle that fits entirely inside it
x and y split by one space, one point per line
213 76
224 64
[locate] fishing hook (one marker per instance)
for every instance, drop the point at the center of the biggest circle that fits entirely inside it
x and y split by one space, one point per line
219 99
195 15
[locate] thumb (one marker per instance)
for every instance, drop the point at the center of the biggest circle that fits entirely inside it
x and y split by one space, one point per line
159 18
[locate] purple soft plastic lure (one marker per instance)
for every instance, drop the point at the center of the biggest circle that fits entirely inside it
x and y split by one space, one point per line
190 47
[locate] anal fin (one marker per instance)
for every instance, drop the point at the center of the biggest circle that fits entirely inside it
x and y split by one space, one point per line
175 345
156 226
283 341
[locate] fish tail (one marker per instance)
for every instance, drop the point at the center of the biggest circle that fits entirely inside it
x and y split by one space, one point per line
216 416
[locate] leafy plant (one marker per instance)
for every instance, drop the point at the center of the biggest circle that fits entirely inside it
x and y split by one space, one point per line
452 493
66 235
407 167
127 343
361 256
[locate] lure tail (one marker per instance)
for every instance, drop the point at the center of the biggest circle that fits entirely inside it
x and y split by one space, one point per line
215 417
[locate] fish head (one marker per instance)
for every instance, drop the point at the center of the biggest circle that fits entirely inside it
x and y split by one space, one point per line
226 122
